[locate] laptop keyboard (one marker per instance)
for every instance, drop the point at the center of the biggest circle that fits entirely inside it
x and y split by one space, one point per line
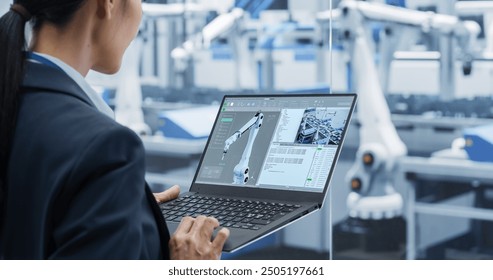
232 213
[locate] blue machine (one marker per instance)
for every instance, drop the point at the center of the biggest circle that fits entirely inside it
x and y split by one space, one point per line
398 3
193 123
479 143
254 7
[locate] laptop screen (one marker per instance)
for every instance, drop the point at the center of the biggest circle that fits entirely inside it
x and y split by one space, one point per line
277 142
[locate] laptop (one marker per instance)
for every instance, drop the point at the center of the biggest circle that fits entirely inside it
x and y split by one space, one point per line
267 163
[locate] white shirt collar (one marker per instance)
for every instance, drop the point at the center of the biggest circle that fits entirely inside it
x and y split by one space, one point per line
95 98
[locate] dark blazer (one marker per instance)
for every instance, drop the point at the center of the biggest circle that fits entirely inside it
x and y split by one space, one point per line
75 180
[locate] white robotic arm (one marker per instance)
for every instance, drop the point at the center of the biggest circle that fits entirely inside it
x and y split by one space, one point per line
128 109
373 195
466 32
474 8
169 10
219 26
128 100
241 170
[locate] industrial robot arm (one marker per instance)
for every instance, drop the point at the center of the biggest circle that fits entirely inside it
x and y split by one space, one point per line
373 195
170 10
128 109
128 100
465 32
242 169
474 8
217 27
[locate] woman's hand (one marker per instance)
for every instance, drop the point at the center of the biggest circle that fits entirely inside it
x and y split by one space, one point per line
167 195
193 239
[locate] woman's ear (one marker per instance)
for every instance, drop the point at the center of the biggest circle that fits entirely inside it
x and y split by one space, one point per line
106 8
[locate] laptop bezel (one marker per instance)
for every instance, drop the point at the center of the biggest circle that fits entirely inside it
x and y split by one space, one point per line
259 193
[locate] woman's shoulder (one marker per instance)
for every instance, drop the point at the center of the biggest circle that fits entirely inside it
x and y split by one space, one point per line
64 120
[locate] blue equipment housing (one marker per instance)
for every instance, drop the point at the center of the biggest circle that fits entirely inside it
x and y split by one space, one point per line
479 143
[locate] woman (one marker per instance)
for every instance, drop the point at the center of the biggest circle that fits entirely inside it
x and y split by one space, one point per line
71 178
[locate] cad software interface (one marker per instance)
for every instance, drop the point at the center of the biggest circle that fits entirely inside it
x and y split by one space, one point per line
284 143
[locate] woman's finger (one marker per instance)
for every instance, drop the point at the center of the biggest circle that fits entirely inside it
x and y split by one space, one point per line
167 195
185 225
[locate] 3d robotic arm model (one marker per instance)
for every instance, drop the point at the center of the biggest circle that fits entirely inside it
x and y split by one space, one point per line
241 170
373 195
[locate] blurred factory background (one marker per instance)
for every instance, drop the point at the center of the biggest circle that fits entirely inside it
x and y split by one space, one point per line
415 176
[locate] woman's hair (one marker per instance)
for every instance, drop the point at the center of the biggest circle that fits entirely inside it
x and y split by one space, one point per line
12 55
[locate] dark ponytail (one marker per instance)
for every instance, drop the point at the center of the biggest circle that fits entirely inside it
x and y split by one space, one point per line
12 47
12 44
